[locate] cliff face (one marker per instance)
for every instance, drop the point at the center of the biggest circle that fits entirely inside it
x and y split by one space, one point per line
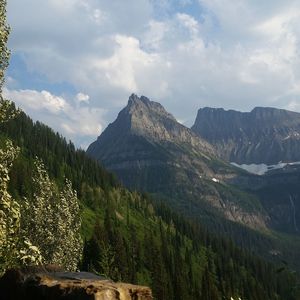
264 135
33 284
279 193
150 151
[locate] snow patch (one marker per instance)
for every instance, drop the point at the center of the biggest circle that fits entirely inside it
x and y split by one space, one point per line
294 134
261 169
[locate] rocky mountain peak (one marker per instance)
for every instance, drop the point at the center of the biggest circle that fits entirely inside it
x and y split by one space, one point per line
136 100
140 106
149 121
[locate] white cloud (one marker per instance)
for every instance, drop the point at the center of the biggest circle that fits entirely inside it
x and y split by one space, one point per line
80 97
189 22
78 123
37 101
236 54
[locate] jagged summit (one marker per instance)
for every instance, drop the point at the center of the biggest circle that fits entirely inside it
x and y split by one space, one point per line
142 105
136 100
141 129
149 120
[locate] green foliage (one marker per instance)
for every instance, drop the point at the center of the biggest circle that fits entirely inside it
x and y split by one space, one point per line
51 220
9 211
177 258
15 249
4 52
59 156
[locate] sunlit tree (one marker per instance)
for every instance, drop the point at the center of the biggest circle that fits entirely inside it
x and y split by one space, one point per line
15 249
52 221
4 52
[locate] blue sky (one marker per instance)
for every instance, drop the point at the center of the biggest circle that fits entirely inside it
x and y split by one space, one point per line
74 63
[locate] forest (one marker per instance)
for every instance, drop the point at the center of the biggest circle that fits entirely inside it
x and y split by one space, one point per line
128 236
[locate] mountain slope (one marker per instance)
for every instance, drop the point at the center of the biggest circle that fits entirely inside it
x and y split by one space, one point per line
150 151
131 238
264 135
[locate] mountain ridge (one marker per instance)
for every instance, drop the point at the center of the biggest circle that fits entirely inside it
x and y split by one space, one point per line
263 135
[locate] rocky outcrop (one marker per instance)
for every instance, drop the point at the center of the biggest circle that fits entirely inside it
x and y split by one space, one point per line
264 135
38 284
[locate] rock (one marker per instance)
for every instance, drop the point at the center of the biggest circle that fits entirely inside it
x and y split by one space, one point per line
36 283
264 135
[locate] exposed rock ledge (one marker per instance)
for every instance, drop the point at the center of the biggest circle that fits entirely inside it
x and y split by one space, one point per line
36 284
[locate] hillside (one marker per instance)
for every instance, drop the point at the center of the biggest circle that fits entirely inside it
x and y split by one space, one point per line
264 135
130 237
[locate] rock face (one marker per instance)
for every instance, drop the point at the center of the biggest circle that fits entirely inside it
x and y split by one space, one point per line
150 151
279 194
264 135
146 120
36 284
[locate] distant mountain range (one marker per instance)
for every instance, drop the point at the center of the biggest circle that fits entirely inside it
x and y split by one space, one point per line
190 169
264 135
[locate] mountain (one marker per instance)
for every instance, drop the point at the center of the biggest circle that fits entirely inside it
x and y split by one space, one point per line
130 237
141 128
150 151
264 138
264 135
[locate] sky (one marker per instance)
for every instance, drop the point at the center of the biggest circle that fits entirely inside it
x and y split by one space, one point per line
74 63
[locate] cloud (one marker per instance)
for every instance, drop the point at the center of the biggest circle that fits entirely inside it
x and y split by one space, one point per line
231 54
37 101
189 22
80 97
69 117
